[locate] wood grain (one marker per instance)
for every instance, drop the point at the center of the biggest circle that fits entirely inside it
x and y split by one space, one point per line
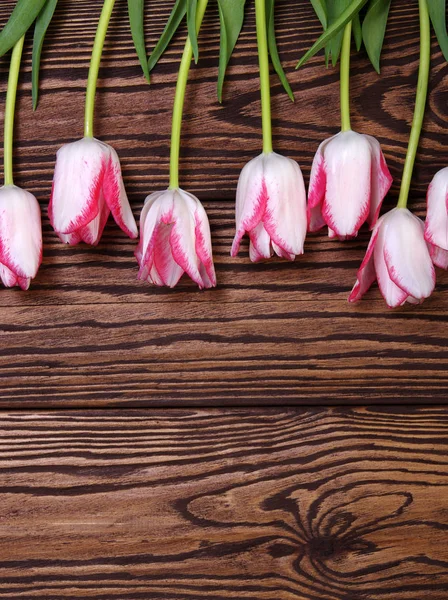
308 504
88 334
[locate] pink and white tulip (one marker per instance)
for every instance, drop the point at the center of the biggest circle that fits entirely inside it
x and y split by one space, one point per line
349 180
436 225
271 208
398 258
20 236
175 239
87 187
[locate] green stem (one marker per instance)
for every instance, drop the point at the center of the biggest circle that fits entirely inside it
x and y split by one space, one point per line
11 94
420 103
345 78
179 99
97 51
265 86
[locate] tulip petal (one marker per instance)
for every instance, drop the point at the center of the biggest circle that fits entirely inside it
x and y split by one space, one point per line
348 169
380 182
164 260
70 238
406 255
285 218
91 233
439 256
8 277
366 273
436 225
260 244
182 239
20 232
203 246
78 180
251 198
116 197
282 252
316 191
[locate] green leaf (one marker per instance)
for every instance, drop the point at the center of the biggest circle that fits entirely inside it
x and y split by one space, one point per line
272 44
192 6
40 29
333 29
437 12
320 8
335 9
24 13
374 28
136 11
357 31
176 16
231 16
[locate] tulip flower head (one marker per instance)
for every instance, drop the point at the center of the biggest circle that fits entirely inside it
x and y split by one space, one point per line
436 225
398 258
271 208
20 236
349 180
87 187
175 239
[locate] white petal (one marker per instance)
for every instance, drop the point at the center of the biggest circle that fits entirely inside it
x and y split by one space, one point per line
348 170
436 226
380 181
20 231
78 180
406 254
250 200
285 219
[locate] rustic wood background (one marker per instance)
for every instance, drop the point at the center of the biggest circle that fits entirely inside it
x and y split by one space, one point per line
89 334
202 476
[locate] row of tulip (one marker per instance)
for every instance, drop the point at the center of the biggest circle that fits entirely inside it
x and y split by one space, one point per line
349 180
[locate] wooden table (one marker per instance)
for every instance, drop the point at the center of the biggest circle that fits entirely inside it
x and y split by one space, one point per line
263 440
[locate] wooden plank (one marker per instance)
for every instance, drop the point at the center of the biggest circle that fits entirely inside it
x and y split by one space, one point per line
231 353
258 504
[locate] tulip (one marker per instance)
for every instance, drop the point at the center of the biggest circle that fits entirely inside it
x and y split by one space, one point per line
87 186
398 257
436 225
20 236
271 208
349 180
175 239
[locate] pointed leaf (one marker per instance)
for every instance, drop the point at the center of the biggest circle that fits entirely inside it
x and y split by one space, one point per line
272 44
374 28
437 12
40 29
192 6
24 13
176 16
231 16
136 11
333 29
320 8
357 31
335 9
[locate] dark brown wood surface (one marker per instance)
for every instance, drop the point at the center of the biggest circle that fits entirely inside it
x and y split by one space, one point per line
89 334
321 504
264 503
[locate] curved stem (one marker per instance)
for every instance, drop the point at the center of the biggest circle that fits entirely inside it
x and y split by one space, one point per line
420 103
345 78
179 99
11 94
265 86
98 44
